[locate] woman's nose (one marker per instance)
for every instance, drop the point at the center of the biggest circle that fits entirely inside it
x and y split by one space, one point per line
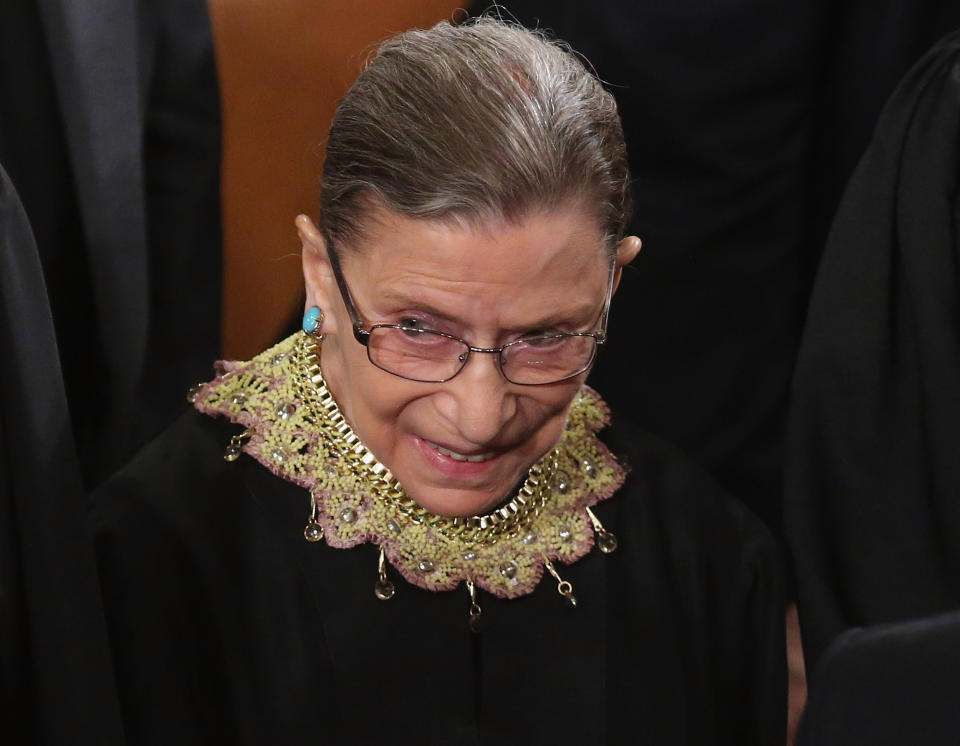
481 402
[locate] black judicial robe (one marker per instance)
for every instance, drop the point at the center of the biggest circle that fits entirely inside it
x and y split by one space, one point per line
56 686
110 132
227 627
872 474
888 685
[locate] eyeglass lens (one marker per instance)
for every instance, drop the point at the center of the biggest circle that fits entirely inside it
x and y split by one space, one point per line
424 355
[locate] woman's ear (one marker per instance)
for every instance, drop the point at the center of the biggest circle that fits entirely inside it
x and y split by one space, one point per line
317 275
627 249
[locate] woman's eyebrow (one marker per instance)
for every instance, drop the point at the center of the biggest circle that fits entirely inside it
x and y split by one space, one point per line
584 313
403 301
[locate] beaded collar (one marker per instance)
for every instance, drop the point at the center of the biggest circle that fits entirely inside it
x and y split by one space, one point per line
293 427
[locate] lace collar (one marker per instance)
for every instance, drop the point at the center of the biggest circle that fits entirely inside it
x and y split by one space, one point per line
293 427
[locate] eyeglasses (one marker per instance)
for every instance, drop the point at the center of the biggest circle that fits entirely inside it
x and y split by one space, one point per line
431 356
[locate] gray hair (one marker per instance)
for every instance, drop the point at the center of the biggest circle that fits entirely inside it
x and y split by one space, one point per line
474 122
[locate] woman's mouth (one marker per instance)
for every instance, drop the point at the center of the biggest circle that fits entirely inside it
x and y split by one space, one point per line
461 467
471 457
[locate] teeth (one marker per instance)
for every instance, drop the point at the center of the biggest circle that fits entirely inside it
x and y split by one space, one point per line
459 456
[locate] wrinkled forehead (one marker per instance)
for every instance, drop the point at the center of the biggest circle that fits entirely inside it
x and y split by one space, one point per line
549 265
383 229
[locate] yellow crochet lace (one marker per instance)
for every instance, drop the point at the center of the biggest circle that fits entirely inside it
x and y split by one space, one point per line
296 430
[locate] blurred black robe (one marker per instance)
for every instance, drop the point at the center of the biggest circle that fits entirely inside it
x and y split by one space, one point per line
888 685
109 304
873 475
110 132
227 627
56 682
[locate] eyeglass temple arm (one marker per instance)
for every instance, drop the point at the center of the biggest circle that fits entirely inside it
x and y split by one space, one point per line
359 333
605 316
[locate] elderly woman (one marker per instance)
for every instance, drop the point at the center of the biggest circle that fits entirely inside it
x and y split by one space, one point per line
382 533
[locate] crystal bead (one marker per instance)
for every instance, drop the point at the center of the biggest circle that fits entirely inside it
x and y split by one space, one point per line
529 538
474 623
469 556
606 541
563 482
425 565
393 526
192 393
384 590
588 468
331 470
279 455
565 533
508 570
313 532
285 410
279 358
349 515
238 399
231 453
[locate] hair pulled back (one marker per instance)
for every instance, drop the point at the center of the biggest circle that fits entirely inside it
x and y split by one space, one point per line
474 122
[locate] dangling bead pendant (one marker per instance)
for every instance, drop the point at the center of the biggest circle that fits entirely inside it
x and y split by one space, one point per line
475 610
605 539
313 531
235 447
564 587
383 588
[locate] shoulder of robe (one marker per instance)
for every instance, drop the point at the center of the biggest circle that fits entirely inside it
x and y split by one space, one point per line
669 489
178 477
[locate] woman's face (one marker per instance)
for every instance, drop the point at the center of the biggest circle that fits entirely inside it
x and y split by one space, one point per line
488 286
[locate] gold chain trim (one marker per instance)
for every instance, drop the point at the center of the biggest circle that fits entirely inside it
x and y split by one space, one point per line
507 521
294 428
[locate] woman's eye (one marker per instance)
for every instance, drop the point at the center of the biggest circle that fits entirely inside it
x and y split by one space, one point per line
536 334
411 323
545 340
415 328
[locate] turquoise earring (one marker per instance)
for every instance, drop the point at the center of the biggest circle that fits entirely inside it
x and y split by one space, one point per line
313 321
